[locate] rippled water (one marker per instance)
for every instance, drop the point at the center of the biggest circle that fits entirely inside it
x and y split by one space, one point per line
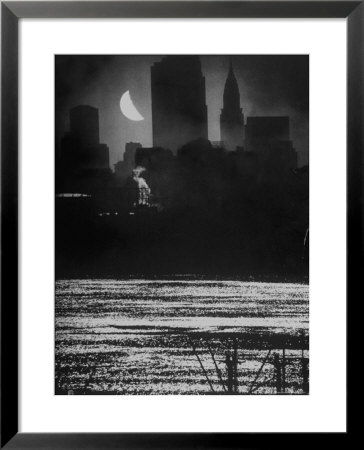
141 337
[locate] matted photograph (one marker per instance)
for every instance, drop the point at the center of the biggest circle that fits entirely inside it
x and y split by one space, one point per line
182 224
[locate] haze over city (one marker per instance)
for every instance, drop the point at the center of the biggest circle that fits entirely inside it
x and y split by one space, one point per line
274 85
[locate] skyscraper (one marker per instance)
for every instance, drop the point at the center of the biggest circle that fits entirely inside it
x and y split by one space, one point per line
232 118
179 108
80 147
268 139
84 125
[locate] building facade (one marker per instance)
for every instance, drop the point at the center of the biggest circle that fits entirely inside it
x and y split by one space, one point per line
179 110
81 149
268 139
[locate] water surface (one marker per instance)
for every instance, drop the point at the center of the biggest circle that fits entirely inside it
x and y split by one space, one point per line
134 336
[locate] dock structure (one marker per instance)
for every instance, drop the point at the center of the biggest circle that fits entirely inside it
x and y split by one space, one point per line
281 364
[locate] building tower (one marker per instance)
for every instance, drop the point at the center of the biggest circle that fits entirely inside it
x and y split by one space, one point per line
84 125
232 117
268 139
81 148
179 110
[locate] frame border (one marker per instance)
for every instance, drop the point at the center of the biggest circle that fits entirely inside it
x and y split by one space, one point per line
11 13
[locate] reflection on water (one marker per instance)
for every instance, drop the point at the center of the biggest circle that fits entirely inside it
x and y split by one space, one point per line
132 336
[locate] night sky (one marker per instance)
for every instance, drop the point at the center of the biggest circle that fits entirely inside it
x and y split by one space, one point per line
269 85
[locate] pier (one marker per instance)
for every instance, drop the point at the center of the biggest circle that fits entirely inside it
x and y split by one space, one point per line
283 362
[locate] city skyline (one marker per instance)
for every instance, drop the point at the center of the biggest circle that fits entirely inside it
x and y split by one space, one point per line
89 87
186 269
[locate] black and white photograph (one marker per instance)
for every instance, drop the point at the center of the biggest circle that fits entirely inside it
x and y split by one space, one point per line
181 224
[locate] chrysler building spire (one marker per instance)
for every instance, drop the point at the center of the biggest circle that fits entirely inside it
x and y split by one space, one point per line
232 118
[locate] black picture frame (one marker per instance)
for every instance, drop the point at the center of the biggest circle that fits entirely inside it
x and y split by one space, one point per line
11 13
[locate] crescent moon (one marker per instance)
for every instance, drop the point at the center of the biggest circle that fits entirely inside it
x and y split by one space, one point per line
128 109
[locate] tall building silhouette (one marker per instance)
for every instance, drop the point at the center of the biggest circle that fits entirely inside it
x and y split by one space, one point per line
84 125
232 118
268 139
265 128
179 108
81 148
